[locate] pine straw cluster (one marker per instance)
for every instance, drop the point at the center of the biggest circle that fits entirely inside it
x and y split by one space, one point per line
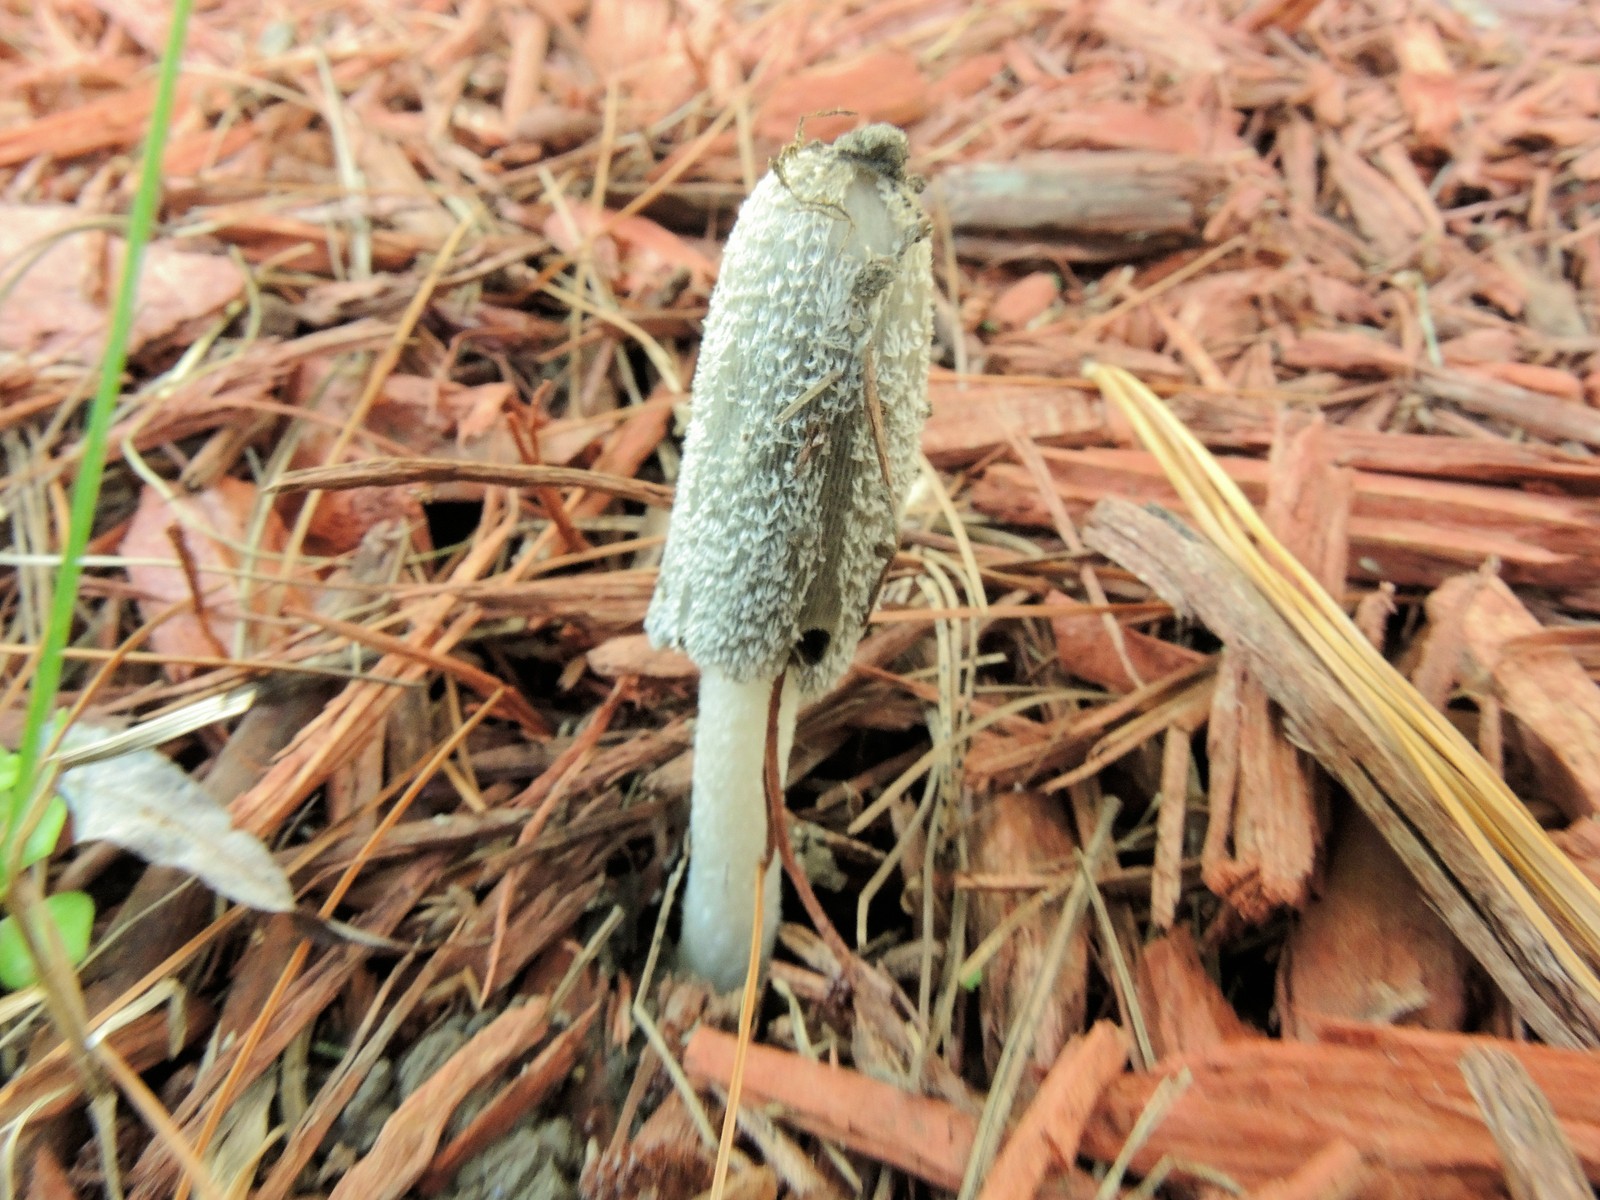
1099 914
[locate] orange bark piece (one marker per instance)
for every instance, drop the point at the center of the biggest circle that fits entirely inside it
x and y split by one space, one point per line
1403 529
1185 1012
886 85
1552 381
111 121
1262 858
1427 86
1287 15
56 309
1124 126
1345 351
214 528
1261 842
549 1069
1544 687
928 1138
1050 1129
48 1181
1258 1110
647 254
1335 1172
974 414
632 654
1369 948
966 78
1024 300
1083 646
1580 842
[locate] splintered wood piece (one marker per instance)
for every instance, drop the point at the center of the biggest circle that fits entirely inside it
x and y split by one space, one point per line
1024 301
1369 948
48 1181
1539 1161
181 291
1258 1110
1466 460
1427 86
1441 653
1049 1130
53 1086
1543 686
1166 877
1184 1010
632 654
1195 578
1541 415
1580 841
185 550
1024 831
884 85
1262 845
409 1137
1287 15
928 1138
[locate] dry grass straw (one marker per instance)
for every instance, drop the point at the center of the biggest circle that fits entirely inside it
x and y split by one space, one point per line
1557 900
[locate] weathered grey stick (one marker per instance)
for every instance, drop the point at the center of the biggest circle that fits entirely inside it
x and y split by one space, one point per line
1539 1161
1196 579
1120 196
1540 415
1079 205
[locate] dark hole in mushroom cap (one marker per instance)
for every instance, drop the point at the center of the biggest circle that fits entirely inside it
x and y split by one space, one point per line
813 644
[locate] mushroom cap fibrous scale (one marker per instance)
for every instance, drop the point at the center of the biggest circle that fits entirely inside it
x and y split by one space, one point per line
807 407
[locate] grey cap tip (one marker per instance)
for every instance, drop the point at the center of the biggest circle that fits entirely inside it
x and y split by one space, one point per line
881 147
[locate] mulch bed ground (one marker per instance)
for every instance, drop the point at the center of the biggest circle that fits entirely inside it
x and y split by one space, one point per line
397 443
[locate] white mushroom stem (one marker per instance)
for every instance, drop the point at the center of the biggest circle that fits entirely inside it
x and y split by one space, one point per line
728 825
810 393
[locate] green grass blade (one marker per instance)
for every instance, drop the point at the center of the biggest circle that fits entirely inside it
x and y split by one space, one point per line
86 488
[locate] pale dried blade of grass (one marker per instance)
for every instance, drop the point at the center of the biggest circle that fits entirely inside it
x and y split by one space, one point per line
145 803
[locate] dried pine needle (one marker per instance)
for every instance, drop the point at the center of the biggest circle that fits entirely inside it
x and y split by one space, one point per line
1556 899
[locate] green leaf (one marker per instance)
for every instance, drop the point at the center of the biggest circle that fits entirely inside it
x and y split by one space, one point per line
46 833
72 914
48 830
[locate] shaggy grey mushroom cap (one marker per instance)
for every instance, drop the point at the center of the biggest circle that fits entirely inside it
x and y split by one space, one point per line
783 524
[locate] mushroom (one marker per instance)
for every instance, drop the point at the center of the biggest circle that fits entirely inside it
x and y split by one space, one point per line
807 409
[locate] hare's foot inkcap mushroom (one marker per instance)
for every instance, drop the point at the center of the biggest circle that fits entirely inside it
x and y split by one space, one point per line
807 409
